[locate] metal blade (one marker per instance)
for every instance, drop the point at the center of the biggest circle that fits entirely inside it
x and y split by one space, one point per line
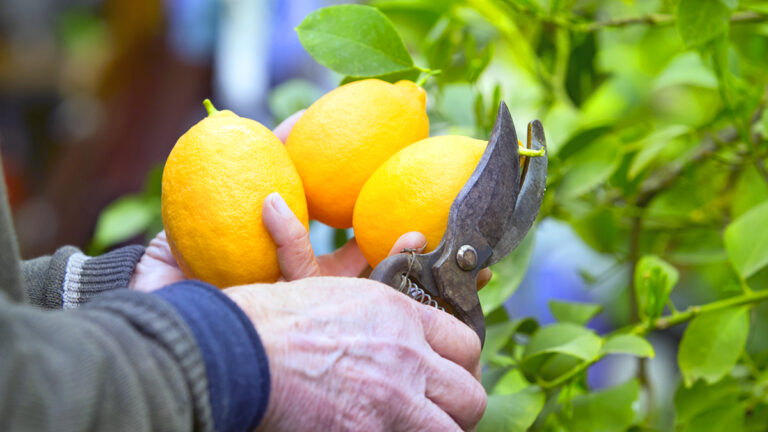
534 182
487 201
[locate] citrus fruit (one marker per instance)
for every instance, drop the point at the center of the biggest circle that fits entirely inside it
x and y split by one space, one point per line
214 184
413 191
346 134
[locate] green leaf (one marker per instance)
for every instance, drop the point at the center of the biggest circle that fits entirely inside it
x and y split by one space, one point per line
726 418
512 413
354 40
686 69
512 382
507 275
564 338
712 344
610 410
498 335
628 344
654 280
731 4
652 145
700 21
573 312
591 166
126 217
700 398
746 241
410 75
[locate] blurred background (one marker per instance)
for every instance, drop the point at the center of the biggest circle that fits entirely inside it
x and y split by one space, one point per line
94 94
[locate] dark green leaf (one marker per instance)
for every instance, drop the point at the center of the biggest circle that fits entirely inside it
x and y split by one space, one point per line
654 280
498 335
712 344
611 410
512 413
507 275
577 313
700 21
746 240
628 344
354 40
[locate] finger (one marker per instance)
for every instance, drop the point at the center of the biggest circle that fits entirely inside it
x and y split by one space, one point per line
456 391
294 251
344 261
409 240
426 417
284 128
450 338
483 277
159 249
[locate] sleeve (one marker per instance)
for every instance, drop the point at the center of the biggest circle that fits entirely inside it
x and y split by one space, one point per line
130 361
69 278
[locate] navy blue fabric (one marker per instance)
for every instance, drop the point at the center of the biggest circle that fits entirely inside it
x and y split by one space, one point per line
235 361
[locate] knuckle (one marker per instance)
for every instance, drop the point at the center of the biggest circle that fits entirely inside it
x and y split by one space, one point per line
478 403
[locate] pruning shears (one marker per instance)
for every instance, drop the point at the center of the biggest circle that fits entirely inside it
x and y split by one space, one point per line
488 219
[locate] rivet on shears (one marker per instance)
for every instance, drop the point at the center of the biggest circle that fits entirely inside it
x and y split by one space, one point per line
466 257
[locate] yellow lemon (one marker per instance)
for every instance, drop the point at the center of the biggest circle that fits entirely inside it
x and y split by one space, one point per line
346 134
413 191
214 184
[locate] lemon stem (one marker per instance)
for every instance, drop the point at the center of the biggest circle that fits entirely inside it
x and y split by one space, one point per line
209 107
530 152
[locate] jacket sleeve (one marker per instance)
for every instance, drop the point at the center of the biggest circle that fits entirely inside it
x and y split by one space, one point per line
69 278
130 361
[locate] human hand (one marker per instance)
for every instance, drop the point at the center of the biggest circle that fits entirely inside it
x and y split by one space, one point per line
354 354
297 259
157 267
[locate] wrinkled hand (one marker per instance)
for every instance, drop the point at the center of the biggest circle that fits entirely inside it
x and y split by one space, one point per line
157 267
354 354
297 259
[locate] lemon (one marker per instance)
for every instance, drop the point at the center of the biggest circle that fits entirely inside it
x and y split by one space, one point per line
345 135
413 191
214 184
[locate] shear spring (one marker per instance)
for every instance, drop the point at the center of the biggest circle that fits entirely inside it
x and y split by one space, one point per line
408 287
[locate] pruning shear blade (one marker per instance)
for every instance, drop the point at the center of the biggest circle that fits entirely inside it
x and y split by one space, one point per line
488 219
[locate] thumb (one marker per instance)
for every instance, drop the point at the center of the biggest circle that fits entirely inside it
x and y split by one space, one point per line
294 251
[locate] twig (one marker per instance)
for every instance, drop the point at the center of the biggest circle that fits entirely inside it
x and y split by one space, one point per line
664 323
659 20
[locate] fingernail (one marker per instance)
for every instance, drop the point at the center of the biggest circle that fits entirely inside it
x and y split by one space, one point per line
278 203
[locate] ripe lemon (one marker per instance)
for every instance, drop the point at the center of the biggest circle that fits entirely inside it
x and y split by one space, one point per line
346 134
214 184
413 191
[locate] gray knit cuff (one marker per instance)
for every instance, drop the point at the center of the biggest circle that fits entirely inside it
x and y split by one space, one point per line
160 321
87 277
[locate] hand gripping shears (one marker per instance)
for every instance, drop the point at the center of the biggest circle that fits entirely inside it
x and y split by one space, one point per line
488 219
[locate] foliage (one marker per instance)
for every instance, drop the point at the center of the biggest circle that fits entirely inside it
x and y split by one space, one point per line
657 138
654 116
